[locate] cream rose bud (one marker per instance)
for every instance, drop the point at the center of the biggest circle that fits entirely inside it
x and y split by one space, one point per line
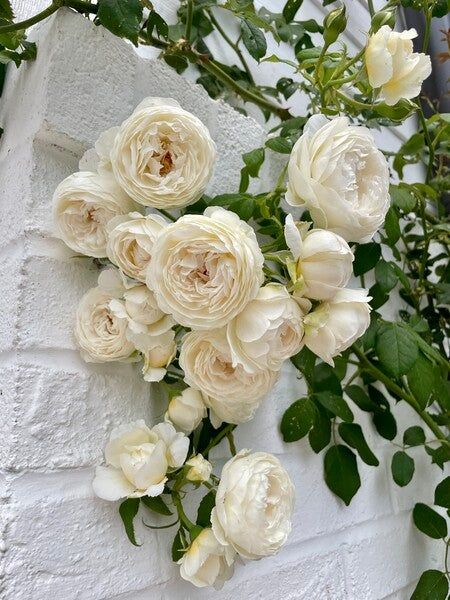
206 268
207 562
200 469
323 260
393 66
267 332
254 505
130 242
230 392
187 410
83 205
156 361
100 334
338 174
137 460
162 155
333 326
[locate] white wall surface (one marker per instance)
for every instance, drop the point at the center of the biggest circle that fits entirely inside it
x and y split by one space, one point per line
56 413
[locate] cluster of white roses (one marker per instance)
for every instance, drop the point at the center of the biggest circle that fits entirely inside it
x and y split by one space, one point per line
194 290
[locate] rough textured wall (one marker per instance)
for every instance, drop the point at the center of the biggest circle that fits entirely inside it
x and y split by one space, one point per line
56 411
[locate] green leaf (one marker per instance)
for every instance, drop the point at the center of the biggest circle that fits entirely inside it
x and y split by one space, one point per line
280 145
156 504
298 420
396 348
392 226
254 39
385 424
177 62
429 521
121 17
414 436
360 398
253 161
353 435
403 198
320 434
6 12
402 467
304 361
433 585
290 9
442 493
204 509
325 380
155 21
127 511
421 380
341 472
178 545
366 257
385 276
336 405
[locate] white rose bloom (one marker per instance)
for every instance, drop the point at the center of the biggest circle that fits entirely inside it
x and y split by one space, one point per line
323 260
231 392
138 459
333 326
254 505
162 155
267 332
207 562
339 175
130 242
200 469
156 361
102 336
83 205
206 268
393 66
187 410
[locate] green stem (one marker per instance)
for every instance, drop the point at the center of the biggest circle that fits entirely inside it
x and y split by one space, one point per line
232 44
371 7
398 391
429 144
231 443
426 35
44 14
247 95
190 14
182 515
225 431
167 214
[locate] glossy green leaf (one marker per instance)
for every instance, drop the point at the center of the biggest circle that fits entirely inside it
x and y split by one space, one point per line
127 511
396 349
433 585
429 521
442 493
366 257
254 39
298 420
421 380
253 161
414 436
204 509
385 276
335 404
402 468
353 435
121 17
156 504
320 434
341 472
290 9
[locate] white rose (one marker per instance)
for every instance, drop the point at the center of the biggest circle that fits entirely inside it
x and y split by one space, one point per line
101 335
254 505
338 174
130 242
207 562
206 268
267 332
323 260
138 459
162 155
393 66
148 326
200 469
231 392
333 326
187 410
156 361
83 205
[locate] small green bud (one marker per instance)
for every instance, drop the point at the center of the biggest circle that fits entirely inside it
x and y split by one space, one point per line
384 17
334 24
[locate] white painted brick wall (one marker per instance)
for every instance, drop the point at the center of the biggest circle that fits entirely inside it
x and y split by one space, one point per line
56 411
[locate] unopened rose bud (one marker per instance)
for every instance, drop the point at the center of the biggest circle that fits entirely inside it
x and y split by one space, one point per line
384 17
334 24
187 410
200 469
